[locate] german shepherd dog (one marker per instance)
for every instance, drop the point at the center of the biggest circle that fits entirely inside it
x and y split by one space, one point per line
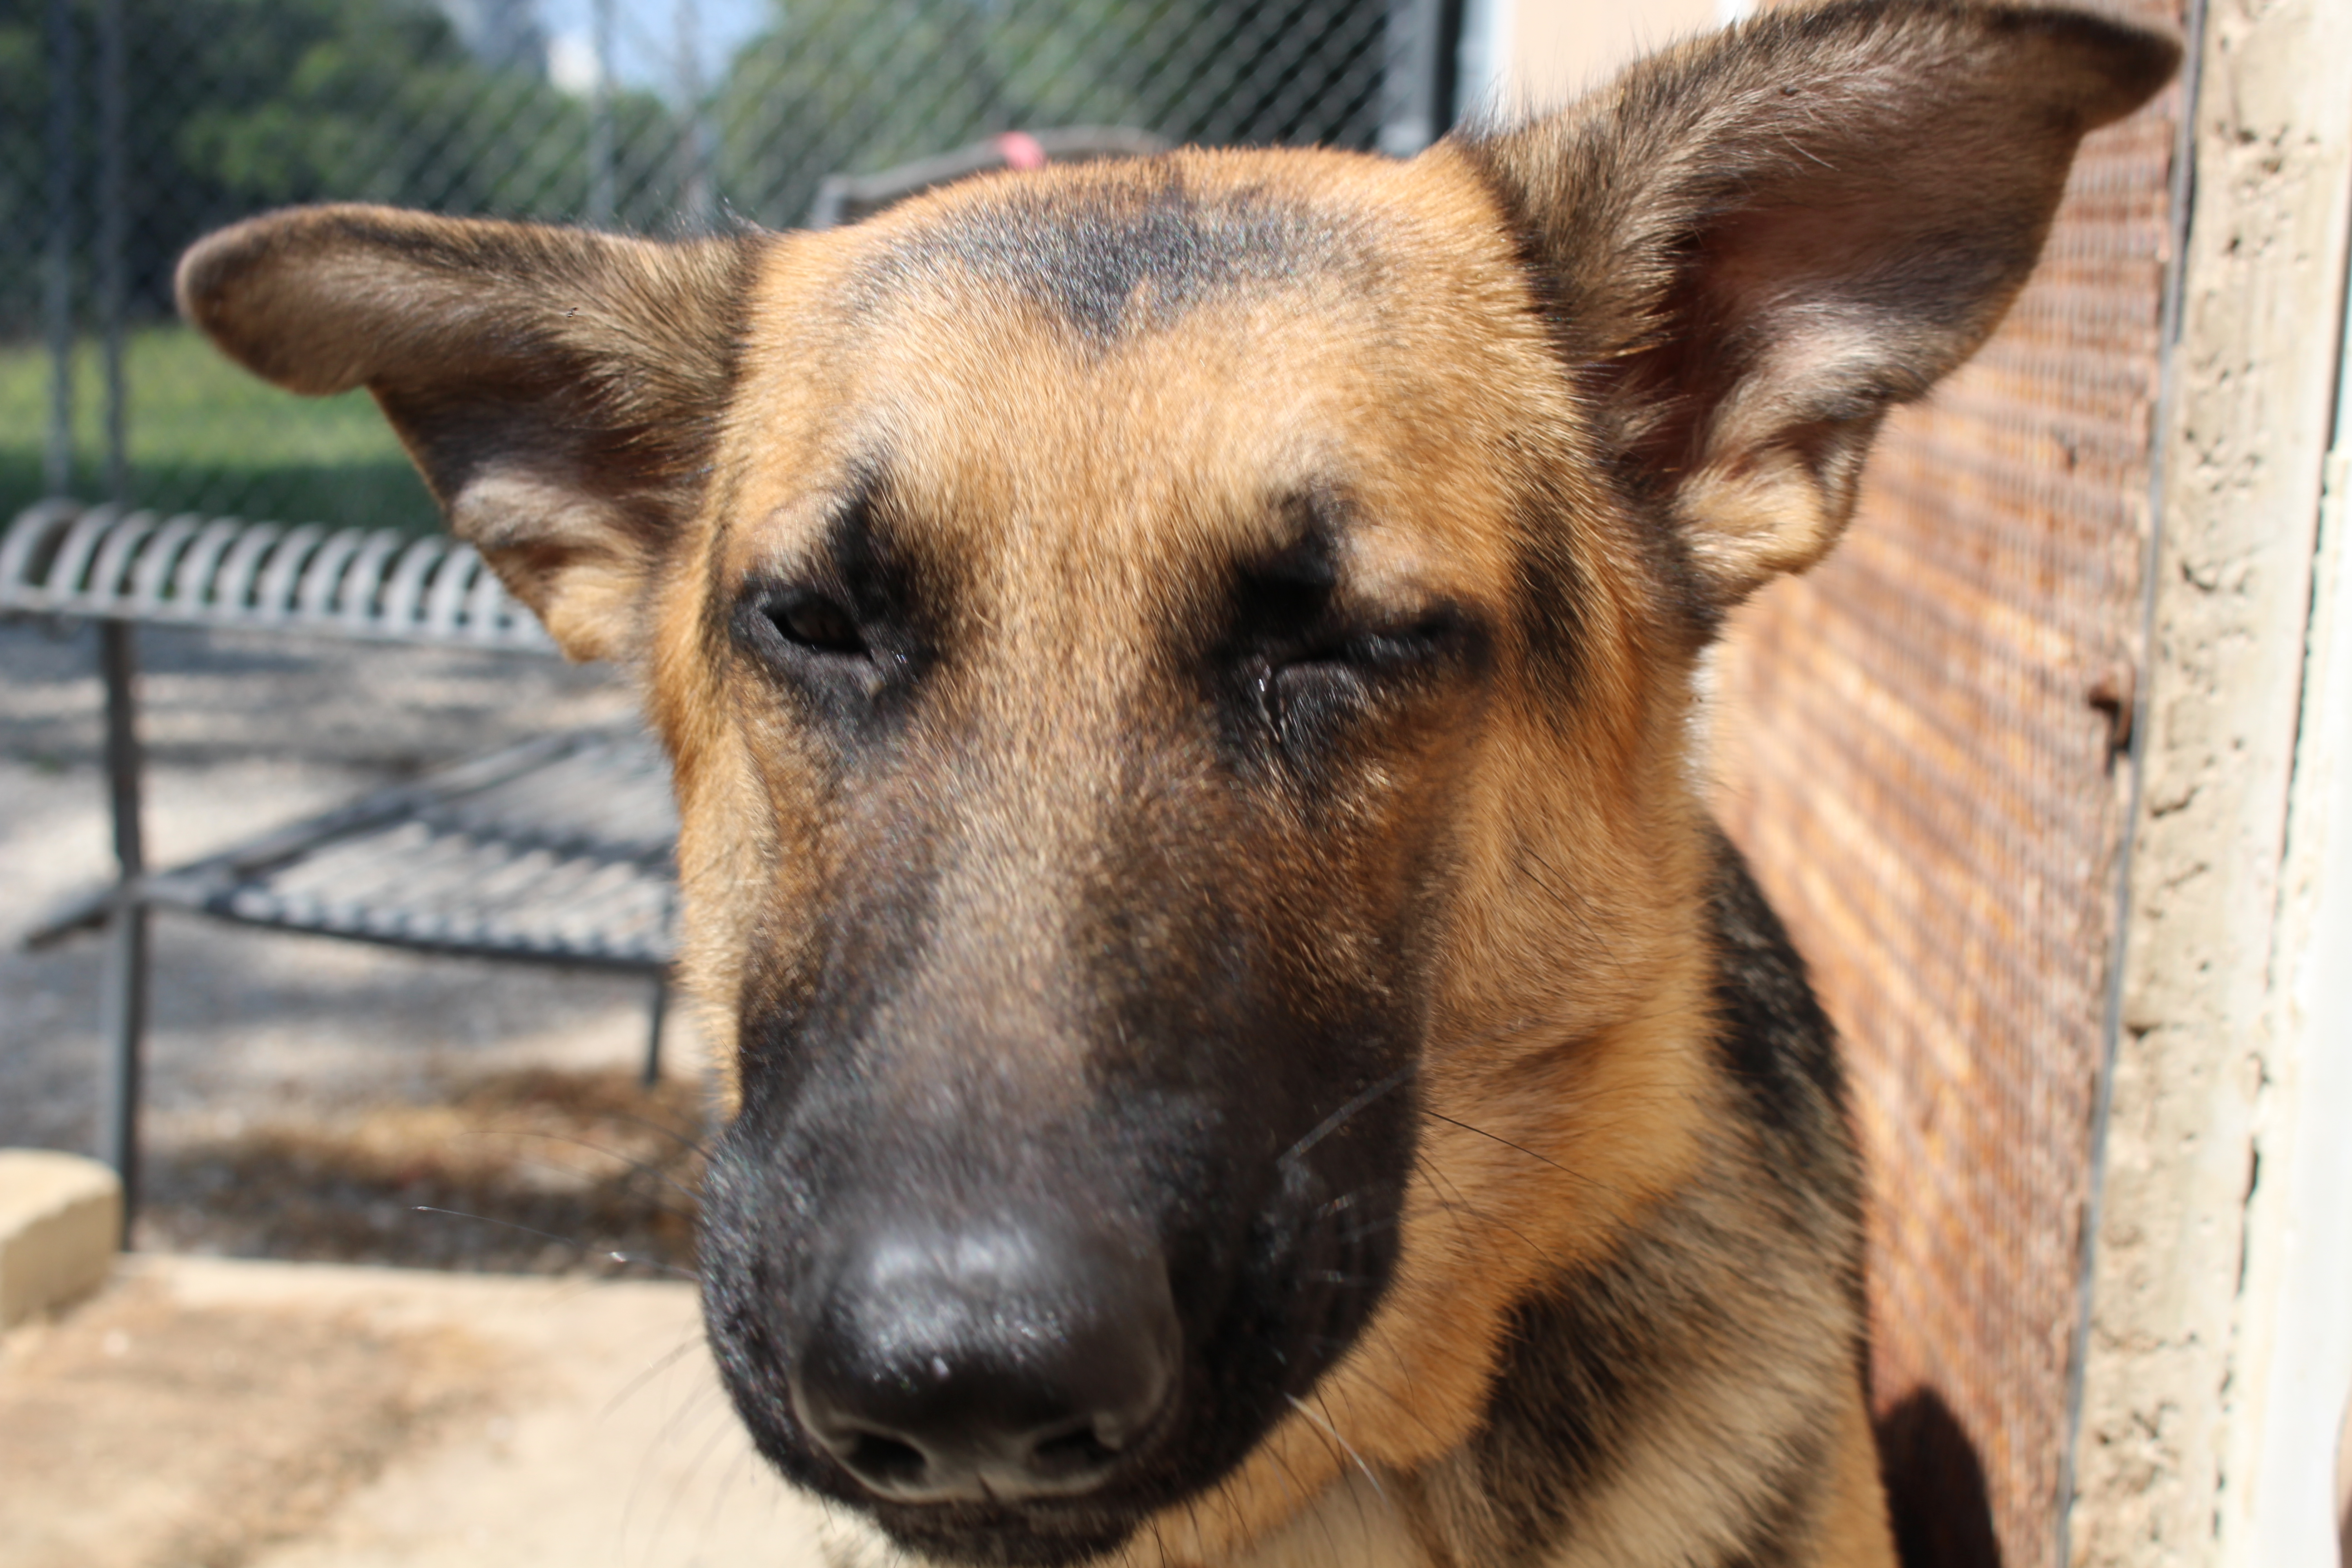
1246 1045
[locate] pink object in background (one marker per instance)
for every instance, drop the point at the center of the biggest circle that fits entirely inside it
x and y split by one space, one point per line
1021 149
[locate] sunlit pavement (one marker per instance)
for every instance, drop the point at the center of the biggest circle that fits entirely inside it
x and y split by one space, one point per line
315 1416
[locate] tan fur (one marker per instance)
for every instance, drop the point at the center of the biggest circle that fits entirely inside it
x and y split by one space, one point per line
1608 1085
632 431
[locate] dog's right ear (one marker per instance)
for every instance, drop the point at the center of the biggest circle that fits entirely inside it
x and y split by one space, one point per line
560 390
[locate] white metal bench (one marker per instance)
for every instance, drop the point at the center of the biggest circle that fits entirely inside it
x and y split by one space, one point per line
560 850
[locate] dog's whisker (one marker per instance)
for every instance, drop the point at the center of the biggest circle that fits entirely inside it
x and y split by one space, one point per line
584 1248
695 1146
1339 1118
662 1363
1506 1143
638 1167
1293 1484
1530 1243
1345 1447
720 1432
655 1204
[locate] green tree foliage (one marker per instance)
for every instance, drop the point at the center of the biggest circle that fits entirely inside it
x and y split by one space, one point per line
23 203
236 106
859 85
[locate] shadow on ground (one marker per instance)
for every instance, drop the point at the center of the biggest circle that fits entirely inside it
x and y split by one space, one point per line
533 1170
1936 1486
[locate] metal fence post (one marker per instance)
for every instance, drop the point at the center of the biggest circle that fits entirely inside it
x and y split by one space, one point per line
656 1015
123 1023
1417 75
604 198
56 303
122 1000
114 233
685 80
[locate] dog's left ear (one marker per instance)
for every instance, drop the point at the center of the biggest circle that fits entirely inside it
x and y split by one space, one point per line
560 390
1749 248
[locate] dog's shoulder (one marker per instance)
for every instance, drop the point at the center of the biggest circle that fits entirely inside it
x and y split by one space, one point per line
1635 1389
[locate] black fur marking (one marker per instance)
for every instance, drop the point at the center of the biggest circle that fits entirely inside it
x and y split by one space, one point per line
1782 1050
1550 594
1118 257
1778 1042
1591 1364
1307 684
885 609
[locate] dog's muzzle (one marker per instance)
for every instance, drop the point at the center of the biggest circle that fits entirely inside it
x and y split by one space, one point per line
1006 1360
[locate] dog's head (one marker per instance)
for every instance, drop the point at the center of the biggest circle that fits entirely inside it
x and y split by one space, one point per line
1179 674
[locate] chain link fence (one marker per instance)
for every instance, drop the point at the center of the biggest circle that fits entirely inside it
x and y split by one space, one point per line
131 127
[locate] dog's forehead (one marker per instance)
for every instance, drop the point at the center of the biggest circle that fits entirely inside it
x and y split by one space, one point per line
1125 251
1153 357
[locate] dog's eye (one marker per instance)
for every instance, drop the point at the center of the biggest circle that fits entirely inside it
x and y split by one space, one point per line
1326 679
837 659
1405 644
1397 647
817 623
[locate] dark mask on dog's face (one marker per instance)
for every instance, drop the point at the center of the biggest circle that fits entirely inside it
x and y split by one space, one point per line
1180 677
1106 696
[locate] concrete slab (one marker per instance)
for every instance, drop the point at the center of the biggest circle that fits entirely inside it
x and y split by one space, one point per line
60 1217
308 1415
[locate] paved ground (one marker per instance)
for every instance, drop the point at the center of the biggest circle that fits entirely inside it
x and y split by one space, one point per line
291 1079
210 1413
306 1097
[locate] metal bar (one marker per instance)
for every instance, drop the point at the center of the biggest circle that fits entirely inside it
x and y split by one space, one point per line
114 233
2180 194
56 303
659 1014
1412 76
697 203
602 196
122 1008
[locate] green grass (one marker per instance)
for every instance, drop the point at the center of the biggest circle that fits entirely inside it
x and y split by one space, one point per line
207 436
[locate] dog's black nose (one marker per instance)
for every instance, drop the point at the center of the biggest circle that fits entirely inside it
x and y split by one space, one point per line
1004 1361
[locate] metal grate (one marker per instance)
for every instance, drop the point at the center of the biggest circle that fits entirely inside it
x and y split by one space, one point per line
561 850
1921 753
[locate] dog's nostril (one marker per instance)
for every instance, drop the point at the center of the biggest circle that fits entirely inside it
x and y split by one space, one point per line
884 1463
1072 1453
1006 1365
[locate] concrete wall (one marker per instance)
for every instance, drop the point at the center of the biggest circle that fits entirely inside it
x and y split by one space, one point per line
2217 1355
